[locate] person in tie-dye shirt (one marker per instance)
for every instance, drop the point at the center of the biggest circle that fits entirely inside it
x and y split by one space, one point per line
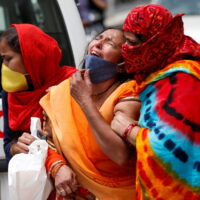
166 66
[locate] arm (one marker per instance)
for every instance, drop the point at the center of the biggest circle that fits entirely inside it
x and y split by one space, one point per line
126 112
56 165
119 124
100 3
171 134
184 105
64 178
10 137
110 143
14 141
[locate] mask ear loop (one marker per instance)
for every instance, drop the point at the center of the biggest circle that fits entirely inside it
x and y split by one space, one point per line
121 67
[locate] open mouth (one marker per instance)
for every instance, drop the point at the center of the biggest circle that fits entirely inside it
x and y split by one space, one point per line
94 53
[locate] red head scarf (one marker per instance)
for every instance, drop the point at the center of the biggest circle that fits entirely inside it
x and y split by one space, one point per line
41 57
163 40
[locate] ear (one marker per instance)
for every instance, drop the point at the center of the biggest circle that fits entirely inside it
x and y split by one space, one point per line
121 67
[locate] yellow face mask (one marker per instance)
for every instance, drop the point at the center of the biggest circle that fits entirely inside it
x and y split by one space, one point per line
12 81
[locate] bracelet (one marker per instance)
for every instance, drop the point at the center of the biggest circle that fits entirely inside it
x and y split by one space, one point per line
55 166
127 131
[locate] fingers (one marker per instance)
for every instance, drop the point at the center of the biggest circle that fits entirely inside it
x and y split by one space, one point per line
62 191
69 186
18 148
65 190
26 138
21 146
74 185
76 81
81 75
76 77
87 77
65 181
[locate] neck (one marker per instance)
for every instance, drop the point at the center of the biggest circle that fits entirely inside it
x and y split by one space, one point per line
104 87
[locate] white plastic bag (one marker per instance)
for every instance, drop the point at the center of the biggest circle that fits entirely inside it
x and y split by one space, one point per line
27 177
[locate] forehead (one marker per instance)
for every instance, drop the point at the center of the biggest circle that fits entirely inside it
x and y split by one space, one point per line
114 34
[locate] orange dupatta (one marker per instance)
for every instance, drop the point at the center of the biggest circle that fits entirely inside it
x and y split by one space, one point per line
74 139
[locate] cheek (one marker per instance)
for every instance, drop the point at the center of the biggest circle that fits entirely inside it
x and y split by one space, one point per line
89 46
113 56
17 65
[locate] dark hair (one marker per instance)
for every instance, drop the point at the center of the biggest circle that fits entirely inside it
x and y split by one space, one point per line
11 37
107 28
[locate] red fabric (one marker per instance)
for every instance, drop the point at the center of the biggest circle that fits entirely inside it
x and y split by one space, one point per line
163 40
177 96
53 156
1 115
41 56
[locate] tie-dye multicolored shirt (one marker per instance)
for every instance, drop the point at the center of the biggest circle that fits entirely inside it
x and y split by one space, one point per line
168 145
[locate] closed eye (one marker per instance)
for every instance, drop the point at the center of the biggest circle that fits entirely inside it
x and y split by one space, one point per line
6 58
133 42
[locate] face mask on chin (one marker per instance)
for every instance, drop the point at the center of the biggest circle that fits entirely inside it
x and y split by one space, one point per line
13 81
100 69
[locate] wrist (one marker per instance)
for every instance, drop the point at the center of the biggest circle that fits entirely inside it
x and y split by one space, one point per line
130 133
12 149
87 103
55 167
127 131
131 138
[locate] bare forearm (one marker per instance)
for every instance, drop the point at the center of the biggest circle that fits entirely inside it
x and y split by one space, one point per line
111 144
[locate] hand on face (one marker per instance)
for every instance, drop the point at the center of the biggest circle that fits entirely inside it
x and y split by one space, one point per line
65 182
81 87
22 144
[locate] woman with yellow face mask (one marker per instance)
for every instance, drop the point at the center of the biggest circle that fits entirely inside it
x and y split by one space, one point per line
30 66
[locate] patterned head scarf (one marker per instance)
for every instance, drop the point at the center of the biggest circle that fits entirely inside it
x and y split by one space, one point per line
163 40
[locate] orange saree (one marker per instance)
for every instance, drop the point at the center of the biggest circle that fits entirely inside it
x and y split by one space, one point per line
74 139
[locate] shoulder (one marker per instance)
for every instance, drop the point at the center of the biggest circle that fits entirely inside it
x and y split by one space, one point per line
128 89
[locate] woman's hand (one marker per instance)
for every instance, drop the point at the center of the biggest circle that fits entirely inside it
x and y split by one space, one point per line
22 144
65 182
120 122
81 87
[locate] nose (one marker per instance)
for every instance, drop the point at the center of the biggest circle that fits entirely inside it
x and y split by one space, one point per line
99 43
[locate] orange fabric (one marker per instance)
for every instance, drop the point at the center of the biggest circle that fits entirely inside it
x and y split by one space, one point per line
53 157
73 137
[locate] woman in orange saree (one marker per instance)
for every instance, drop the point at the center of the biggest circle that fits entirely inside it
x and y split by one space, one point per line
86 144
